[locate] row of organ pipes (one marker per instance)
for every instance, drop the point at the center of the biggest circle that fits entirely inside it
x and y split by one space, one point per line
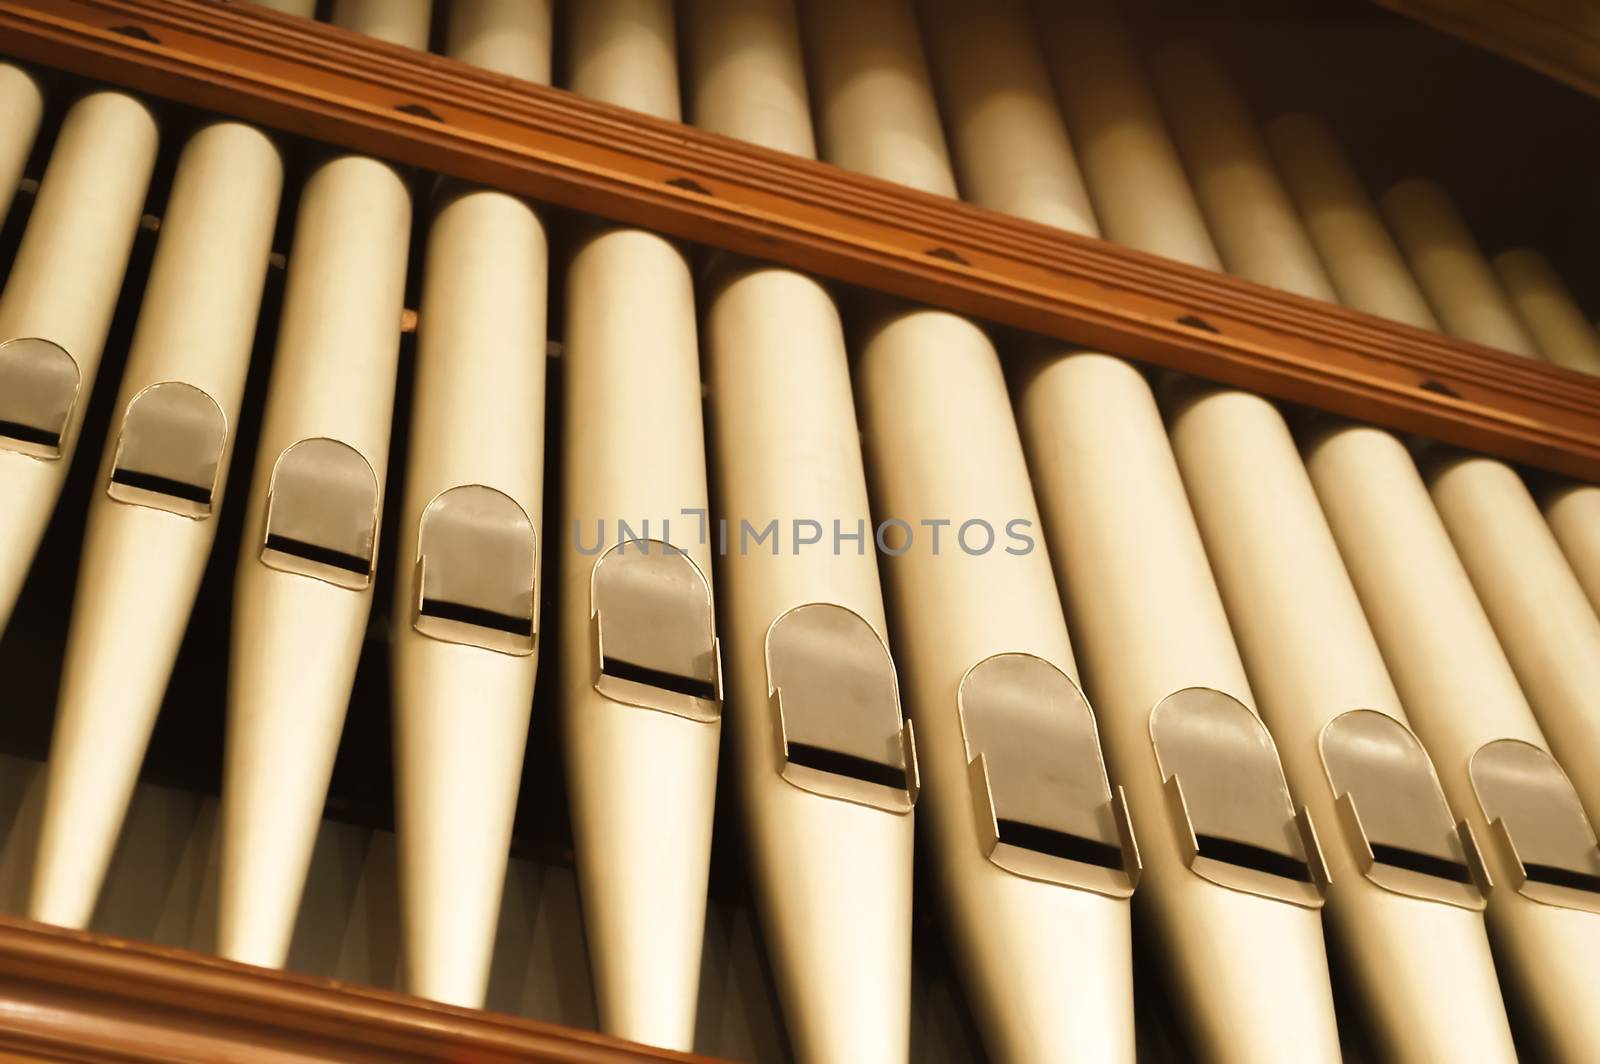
1333 673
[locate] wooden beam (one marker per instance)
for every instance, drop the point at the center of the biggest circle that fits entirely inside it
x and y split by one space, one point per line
70 995
324 83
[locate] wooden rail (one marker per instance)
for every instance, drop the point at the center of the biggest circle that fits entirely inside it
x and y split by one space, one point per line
70 995
325 83
1560 38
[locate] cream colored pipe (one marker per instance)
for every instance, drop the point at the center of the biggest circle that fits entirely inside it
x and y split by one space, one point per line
1573 513
875 110
1363 263
831 859
402 22
641 774
1047 967
1136 181
749 74
1149 622
299 621
147 540
641 780
833 875
1461 694
1257 232
22 102
63 288
1463 291
1564 334
1546 625
507 36
1311 658
1011 149
463 682
624 52
461 698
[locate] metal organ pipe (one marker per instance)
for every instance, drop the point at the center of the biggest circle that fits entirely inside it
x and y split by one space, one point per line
153 517
1564 334
466 590
1151 628
641 686
825 767
1408 936
1545 623
1465 295
1573 513
1464 701
1246 207
22 102
1130 165
1010 148
1361 258
56 310
1033 853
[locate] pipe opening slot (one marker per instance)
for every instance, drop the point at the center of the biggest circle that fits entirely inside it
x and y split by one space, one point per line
477 562
1043 805
322 514
1392 812
836 709
1236 823
169 450
655 635
39 383
1540 830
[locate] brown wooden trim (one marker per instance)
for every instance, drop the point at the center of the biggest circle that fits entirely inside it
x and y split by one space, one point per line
325 83
70 995
1560 38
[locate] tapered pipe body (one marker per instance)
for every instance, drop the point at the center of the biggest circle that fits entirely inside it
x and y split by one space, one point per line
507 36
1465 295
833 875
1573 513
624 52
153 517
1148 622
1046 966
1362 260
63 289
1135 178
641 762
464 654
1545 623
22 103
1564 334
463 694
1010 146
303 588
749 76
1309 654
875 108
1247 209
1311 659
402 22
1462 698
831 859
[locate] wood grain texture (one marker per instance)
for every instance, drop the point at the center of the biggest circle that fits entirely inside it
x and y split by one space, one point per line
324 83
71 995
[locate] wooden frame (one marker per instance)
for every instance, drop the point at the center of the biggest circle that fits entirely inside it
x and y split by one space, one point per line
70 995
328 84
